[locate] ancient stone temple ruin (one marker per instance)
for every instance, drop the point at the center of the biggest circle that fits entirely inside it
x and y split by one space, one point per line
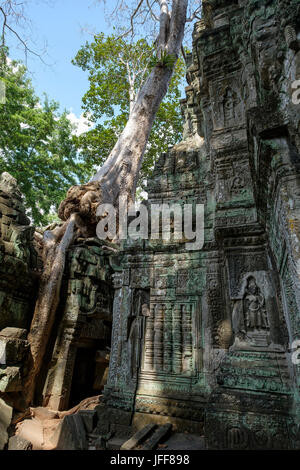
204 339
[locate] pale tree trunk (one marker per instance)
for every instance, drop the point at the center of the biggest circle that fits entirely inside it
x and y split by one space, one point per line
117 177
119 174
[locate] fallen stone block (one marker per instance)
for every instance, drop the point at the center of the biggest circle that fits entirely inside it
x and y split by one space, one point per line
161 433
113 415
138 437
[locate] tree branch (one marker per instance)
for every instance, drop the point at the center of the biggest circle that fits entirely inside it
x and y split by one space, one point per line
194 15
164 21
7 27
178 16
153 15
183 53
131 29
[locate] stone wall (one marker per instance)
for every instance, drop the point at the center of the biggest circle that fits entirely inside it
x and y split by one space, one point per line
76 364
18 267
203 339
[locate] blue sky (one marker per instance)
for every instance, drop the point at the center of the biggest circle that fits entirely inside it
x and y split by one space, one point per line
59 23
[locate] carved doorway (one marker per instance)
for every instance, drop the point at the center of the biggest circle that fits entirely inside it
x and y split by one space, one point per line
83 376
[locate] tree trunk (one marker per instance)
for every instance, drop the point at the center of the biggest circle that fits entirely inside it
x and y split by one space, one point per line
117 177
119 174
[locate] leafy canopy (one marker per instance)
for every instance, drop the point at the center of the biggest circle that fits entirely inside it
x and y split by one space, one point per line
36 145
116 70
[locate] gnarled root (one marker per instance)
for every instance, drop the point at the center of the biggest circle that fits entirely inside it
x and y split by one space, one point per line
83 200
78 211
56 243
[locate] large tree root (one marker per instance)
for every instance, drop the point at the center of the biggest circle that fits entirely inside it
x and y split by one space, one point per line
78 211
57 243
41 426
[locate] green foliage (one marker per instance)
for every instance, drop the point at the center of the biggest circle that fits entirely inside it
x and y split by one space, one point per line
107 61
36 145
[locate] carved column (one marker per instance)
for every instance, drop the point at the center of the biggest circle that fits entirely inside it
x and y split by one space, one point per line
158 337
168 339
187 342
149 341
177 340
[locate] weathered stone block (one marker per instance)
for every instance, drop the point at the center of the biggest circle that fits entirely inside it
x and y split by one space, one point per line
138 437
72 434
14 333
89 418
18 443
113 415
13 347
158 436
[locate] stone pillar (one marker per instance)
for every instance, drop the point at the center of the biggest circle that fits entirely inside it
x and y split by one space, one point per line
187 353
168 339
177 340
158 337
149 341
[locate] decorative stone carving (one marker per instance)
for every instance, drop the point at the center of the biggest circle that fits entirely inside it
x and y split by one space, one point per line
216 330
169 339
228 110
250 317
291 38
19 264
254 307
136 330
84 332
